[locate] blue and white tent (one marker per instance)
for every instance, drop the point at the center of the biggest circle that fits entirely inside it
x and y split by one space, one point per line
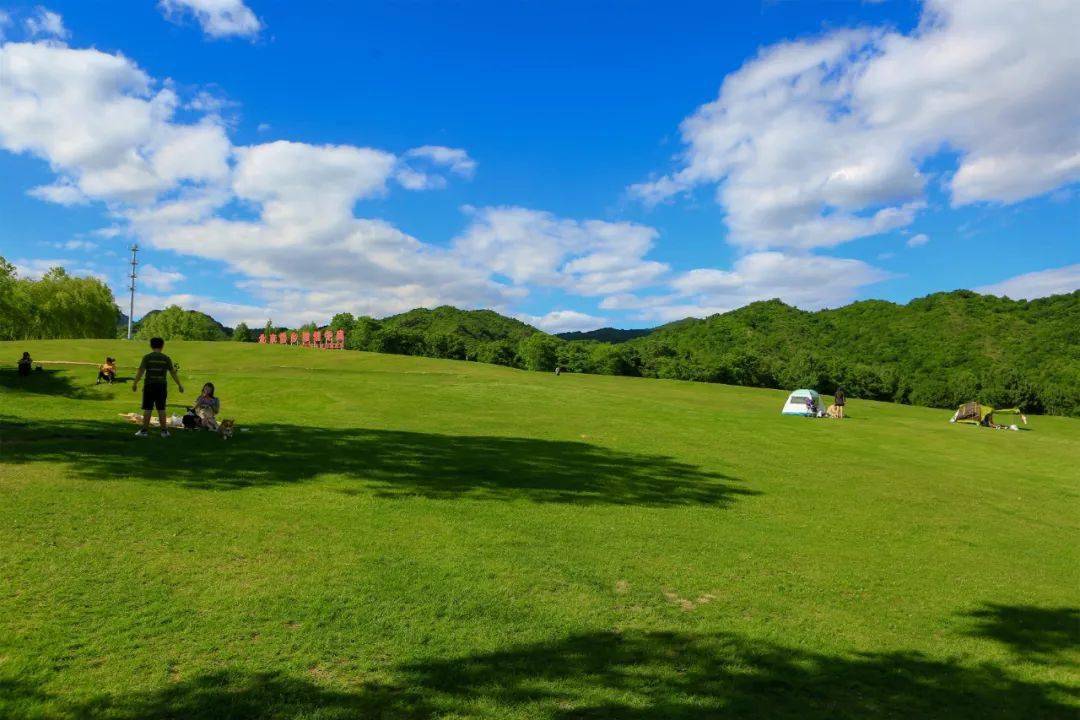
797 404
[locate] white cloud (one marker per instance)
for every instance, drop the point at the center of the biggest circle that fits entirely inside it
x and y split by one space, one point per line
153 277
810 282
455 159
558 321
224 312
82 245
111 136
97 120
917 240
218 18
62 192
411 172
815 143
306 252
35 268
589 257
46 23
310 182
284 214
1032 285
206 101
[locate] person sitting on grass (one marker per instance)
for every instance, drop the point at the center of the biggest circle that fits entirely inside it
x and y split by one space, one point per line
207 407
107 372
156 365
25 364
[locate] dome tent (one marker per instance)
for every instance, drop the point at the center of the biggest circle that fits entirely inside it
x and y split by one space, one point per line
974 413
796 403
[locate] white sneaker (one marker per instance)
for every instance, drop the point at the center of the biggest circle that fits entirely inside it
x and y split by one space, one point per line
164 433
141 433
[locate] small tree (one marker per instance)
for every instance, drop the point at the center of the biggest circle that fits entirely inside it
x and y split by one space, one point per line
343 321
241 333
539 352
497 352
362 335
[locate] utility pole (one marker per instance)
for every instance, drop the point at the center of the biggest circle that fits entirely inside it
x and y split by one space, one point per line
134 274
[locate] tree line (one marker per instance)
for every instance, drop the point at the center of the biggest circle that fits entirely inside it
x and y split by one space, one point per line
938 351
57 305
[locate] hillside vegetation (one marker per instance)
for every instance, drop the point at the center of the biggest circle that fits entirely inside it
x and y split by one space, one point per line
939 350
607 334
175 323
54 305
410 539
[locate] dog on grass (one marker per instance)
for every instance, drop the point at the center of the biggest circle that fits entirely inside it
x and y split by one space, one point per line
225 428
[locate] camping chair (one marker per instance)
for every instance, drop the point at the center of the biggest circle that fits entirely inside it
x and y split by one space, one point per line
969 412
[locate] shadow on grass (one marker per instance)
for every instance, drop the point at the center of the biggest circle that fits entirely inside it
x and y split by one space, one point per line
631 676
384 462
47 381
1044 635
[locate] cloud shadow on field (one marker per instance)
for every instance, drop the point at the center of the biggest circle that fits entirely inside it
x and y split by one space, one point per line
386 463
617 676
1043 635
47 381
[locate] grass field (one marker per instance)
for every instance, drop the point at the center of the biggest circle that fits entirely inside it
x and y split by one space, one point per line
398 537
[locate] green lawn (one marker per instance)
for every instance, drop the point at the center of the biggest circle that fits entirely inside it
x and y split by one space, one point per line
398 537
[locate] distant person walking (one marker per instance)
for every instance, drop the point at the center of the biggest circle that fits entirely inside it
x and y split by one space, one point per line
157 366
839 402
25 364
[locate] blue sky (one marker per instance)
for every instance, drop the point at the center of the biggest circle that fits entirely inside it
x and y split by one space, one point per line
574 164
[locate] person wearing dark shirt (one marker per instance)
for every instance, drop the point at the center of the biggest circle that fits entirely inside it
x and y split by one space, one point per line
156 366
839 402
25 364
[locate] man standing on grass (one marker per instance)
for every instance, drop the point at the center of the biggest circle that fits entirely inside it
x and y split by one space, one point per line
155 365
839 401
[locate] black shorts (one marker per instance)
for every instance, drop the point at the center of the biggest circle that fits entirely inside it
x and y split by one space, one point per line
153 396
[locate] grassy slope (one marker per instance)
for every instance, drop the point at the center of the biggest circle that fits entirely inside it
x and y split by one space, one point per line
405 537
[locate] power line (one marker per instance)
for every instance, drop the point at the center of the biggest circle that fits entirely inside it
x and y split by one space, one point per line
133 276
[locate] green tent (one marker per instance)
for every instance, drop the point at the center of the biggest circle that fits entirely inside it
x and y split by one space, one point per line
973 413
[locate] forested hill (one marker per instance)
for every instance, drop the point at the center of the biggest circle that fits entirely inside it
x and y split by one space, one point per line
606 334
174 322
475 325
938 350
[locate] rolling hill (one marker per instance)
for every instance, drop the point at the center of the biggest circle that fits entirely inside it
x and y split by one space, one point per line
403 537
607 334
938 351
